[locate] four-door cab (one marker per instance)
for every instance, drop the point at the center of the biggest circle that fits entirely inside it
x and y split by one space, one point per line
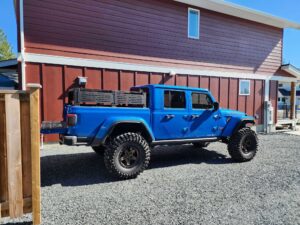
166 115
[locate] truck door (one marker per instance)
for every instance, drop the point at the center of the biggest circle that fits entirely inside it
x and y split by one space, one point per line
204 120
172 120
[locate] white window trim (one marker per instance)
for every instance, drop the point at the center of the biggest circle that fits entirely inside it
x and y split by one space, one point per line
198 35
248 81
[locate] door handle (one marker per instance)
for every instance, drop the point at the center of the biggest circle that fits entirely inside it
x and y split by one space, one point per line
169 116
195 116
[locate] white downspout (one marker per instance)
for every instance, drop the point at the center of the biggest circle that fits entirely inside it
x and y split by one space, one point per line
266 99
22 43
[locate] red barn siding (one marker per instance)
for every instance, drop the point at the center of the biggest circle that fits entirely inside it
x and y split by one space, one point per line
151 31
94 78
274 97
126 80
258 100
224 92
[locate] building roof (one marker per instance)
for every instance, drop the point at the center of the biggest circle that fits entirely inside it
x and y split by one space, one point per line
232 9
289 68
8 81
285 92
8 73
8 63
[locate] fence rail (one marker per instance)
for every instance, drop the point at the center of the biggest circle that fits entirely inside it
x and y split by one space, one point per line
20 153
284 111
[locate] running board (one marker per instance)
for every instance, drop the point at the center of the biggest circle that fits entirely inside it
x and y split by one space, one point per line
184 141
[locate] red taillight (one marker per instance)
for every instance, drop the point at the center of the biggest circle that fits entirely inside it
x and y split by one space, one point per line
71 120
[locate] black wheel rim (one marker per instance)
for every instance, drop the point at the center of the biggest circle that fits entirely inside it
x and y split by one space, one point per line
129 157
248 145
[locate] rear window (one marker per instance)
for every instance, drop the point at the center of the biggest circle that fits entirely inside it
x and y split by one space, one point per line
201 101
174 99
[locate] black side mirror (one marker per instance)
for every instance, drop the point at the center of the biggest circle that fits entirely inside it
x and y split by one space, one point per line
216 106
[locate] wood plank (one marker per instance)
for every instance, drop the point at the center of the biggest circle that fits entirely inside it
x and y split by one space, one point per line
27 207
3 165
26 149
14 155
35 155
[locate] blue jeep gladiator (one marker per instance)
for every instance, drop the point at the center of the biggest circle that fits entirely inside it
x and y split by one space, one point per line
125 125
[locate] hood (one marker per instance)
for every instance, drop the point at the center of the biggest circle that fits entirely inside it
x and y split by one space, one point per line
230 112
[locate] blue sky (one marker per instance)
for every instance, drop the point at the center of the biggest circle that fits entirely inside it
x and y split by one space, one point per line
289 9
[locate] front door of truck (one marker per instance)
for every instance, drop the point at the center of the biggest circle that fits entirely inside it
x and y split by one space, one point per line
172 121
204 120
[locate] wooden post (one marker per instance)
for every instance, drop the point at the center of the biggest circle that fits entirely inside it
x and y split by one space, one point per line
293 100
14 155
35 152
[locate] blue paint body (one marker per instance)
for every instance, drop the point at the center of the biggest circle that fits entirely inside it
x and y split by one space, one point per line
94 123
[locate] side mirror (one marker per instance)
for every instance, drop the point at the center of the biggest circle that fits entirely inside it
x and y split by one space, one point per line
216 106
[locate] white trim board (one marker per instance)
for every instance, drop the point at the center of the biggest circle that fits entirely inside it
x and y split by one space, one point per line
70 61
22 43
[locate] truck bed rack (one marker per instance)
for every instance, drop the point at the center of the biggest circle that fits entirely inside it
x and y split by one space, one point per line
83 96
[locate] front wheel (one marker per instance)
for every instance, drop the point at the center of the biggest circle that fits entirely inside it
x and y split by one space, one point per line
243 145
127 156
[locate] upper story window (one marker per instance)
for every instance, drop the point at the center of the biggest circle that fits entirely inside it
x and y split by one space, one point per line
174 99
244 87
201 101
194 23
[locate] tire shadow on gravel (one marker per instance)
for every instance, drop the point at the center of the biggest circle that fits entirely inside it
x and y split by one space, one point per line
19 223
88 168
186 154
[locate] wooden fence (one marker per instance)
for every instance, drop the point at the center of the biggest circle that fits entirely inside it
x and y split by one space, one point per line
20 153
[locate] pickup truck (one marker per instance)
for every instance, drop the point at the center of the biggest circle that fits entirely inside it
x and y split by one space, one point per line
151 115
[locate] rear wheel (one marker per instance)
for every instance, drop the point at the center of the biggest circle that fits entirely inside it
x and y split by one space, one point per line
243 145
127 156
201 144
99 149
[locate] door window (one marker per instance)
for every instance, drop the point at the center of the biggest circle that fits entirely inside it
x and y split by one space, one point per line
201 101
174 99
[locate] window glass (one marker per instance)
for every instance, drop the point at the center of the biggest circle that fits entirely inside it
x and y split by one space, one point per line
174 99
244 87
193 23
201 101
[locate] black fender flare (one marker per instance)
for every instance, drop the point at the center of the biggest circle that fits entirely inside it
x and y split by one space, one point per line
241 124
113 127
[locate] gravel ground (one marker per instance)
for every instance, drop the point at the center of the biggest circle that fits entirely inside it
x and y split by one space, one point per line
183 185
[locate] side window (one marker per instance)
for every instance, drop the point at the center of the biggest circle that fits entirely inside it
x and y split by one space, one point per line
201 101
244 87
193 23
174 99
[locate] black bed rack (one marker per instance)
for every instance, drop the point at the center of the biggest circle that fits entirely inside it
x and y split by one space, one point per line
84 96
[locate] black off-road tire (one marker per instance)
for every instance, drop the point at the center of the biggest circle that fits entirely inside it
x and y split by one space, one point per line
119 153
99 149
201 144
243 145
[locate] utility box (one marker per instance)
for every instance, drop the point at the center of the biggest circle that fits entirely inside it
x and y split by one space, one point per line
270 112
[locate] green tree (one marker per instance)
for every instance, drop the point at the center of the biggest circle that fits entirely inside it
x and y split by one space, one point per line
5 47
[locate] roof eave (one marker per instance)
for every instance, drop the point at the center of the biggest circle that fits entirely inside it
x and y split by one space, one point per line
7 63
291 70
242 12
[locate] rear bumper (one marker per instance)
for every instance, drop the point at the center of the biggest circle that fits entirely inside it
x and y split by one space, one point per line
73 140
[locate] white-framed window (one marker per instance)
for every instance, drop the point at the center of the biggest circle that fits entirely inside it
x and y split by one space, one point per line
193 23
244 87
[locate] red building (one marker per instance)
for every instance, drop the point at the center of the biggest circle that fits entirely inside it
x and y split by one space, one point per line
233 51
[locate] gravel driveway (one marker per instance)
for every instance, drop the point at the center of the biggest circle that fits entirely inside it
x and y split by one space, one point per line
183 185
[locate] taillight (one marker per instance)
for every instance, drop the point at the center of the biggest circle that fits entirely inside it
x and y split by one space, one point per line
71 120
